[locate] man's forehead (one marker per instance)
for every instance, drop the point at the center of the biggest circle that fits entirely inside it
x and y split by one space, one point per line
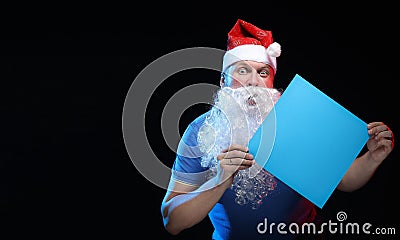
249 63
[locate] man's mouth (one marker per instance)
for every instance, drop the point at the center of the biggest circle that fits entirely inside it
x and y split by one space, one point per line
251 101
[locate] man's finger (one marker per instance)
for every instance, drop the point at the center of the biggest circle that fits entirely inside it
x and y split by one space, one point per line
236 147
236 154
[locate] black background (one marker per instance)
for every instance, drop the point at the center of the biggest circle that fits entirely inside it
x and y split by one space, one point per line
64 167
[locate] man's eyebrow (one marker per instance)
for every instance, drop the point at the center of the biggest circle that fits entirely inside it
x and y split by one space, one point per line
242 65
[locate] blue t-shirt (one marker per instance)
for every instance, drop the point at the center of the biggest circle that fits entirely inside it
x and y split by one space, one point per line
282 206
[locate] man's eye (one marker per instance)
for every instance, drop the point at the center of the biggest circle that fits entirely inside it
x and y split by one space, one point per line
242 71
264 73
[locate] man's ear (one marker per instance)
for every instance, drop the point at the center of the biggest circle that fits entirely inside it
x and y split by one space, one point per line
222 81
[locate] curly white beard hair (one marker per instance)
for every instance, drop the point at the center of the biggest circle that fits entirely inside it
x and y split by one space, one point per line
233 119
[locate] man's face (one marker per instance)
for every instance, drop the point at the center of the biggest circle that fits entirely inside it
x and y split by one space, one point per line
248 73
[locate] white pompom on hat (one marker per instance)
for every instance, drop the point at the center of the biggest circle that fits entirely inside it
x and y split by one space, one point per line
248 42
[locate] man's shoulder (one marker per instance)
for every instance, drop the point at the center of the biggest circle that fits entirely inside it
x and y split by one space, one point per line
195 125
198 121
193 128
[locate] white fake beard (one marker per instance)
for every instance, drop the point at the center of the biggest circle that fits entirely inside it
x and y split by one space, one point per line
234 118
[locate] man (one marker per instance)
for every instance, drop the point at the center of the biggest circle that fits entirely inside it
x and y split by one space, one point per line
215 176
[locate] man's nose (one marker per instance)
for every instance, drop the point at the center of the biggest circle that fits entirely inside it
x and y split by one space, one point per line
255 80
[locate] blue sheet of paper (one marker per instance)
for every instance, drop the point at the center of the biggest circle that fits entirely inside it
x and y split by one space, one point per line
308 141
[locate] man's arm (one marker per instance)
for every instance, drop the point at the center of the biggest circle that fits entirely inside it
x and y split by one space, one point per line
185 206
359 173
380 144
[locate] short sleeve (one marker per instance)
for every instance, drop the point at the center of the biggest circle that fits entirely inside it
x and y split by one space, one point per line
187 167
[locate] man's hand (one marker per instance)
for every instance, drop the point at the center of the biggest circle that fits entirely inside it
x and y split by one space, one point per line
381 141
231 160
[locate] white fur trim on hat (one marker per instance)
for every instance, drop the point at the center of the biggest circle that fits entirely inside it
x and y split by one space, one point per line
252 52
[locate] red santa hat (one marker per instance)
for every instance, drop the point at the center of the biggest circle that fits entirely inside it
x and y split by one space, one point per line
248 42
